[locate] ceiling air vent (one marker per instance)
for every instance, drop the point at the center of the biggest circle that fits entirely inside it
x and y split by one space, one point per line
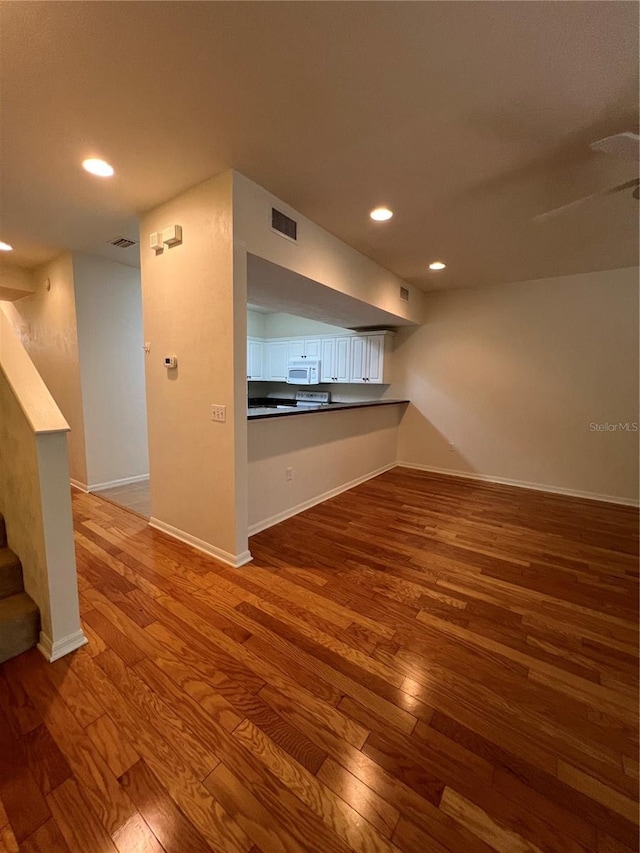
404 294
284 225
122 242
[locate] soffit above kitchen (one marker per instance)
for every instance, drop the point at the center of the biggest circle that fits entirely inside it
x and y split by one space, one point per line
466 119
273 289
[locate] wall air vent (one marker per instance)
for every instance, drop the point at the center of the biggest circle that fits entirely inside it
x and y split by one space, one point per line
404 294
284 225
122 242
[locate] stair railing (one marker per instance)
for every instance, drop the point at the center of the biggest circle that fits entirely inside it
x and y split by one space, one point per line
35 495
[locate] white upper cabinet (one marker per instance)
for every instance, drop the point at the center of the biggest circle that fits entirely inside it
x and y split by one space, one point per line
376 360
335 359
353 358
277 353
305 348
359 350
369 359
255 359
313 348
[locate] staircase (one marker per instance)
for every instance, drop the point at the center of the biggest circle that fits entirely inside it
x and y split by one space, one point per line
19 615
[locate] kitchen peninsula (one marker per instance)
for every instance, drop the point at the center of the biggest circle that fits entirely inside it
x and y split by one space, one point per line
300 458
313 436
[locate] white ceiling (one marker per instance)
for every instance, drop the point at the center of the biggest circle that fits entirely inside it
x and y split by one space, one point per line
467 118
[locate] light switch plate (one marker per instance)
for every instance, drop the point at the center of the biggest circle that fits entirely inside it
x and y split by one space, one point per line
219 413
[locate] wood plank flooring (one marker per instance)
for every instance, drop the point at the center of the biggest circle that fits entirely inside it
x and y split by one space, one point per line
422 664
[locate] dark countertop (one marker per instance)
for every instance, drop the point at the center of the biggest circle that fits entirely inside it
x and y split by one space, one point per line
331 407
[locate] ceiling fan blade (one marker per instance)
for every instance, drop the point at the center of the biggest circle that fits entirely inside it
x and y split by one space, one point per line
549 214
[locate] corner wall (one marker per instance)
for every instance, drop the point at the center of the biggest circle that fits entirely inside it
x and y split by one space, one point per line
515 375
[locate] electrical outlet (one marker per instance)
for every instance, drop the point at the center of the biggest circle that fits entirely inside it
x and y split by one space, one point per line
219 413
289 473
450 446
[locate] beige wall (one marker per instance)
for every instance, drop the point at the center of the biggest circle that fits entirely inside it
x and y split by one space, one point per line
285 325
318 255
194 308
328 451
46 325
109 313
515 375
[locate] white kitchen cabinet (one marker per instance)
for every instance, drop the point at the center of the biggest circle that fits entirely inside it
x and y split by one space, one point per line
376 358
276 355
358 358
313 348
368 362
255 359
302 348
335 359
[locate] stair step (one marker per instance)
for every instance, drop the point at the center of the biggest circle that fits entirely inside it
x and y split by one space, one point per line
11 582
19 625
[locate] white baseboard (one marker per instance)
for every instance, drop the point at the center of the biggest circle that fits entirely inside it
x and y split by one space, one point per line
235 560
521 484
94 487
76 484
53 651
318 499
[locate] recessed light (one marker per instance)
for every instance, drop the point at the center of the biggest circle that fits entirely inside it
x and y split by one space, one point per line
5 247
437 265
98 167
381 214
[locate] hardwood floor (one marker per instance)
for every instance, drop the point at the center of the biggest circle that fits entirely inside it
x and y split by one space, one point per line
420 664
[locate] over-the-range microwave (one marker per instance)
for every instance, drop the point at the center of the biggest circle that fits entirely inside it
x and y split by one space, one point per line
303 371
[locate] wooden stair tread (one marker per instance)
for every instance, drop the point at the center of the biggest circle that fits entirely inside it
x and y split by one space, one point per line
11 581
8 558
19 625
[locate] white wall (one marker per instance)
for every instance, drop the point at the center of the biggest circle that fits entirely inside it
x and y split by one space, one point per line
514 375
109 316
194 307
46 324
318 255
328 451
255 324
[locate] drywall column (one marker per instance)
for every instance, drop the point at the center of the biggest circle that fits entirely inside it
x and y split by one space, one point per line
194 308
